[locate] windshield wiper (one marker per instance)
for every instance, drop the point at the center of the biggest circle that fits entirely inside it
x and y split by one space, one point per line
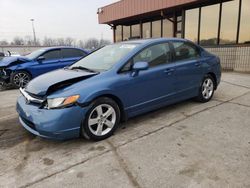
83 68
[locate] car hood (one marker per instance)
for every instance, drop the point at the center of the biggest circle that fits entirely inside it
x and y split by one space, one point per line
55 80
7 61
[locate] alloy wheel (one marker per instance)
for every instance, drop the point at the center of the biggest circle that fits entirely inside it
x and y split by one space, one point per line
207 88
21 79
102 119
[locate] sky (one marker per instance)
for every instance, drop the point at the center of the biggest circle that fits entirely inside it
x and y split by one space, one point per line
53 18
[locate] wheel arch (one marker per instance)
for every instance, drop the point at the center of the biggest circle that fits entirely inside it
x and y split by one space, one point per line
118 102
22 70
214 77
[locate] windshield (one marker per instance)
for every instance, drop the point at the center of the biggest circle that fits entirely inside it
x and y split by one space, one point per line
35 54
105 58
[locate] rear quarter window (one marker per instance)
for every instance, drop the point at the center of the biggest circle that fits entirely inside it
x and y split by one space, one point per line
185 51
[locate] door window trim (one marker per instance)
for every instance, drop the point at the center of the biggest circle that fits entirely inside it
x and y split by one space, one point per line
187 43
59 52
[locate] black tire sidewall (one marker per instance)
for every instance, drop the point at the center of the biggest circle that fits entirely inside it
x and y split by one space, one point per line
85 131
13 75
201 97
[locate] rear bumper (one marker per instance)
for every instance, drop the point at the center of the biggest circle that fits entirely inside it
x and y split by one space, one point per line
59 124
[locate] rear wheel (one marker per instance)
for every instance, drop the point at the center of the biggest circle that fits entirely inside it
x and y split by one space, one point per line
206 90
101 120
20 79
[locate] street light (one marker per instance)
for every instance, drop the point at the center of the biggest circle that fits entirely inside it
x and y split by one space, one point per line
33 28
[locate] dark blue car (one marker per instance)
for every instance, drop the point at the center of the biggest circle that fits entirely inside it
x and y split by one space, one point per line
18 71
115 83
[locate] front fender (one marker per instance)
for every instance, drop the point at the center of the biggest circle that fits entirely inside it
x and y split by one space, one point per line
87 99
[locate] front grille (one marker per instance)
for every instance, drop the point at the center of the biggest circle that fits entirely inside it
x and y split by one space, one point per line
35 96
28 123
29 98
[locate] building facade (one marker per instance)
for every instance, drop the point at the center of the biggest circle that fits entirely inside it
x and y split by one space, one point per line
223 27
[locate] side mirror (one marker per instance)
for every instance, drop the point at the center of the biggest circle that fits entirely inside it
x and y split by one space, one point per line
40 58
139 66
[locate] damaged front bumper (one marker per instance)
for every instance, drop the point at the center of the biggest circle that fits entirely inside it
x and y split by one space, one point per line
5 75
59 124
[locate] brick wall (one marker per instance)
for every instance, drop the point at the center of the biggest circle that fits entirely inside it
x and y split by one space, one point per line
233 58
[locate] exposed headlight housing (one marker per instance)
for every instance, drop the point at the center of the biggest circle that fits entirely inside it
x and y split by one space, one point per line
3 71
61 102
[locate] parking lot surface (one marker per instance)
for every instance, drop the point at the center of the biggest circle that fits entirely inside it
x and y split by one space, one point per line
188 144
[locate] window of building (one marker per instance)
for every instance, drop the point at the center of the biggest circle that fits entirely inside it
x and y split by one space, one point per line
229 22
146 30
209 24
118 33
244 36
126 32
185 51
156 29
136 31
155 55
192 24
167 28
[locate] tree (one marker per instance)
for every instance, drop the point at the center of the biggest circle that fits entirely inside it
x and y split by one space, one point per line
69 41
81 44
28 40
91 43
4 42
60 41
104 42
18 41
49 41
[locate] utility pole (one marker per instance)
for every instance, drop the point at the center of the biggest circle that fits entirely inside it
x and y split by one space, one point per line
33 28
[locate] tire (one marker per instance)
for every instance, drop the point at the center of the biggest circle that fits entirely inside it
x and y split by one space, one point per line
101 120
206 90
20 79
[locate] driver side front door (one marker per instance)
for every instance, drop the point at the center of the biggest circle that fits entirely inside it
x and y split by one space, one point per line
150 88
51 62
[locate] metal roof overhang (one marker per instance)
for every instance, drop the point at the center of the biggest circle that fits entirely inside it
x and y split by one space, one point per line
127 11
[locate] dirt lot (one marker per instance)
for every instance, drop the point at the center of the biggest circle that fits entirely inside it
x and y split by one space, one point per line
184 145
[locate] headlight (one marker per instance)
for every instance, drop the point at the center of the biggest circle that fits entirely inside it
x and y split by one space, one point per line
62 102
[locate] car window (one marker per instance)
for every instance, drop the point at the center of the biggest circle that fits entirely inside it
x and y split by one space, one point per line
106 57
69 53
185 51
50 55
155 55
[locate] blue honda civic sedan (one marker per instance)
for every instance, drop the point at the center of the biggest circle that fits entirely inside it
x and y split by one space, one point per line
18 71
115 83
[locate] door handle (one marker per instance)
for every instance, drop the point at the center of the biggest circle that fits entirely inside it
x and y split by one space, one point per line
168 71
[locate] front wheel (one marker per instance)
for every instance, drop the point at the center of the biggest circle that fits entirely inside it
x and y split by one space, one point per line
101 119
206 90
20 79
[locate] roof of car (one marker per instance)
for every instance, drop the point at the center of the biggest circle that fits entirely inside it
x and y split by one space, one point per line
145 41
61 47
